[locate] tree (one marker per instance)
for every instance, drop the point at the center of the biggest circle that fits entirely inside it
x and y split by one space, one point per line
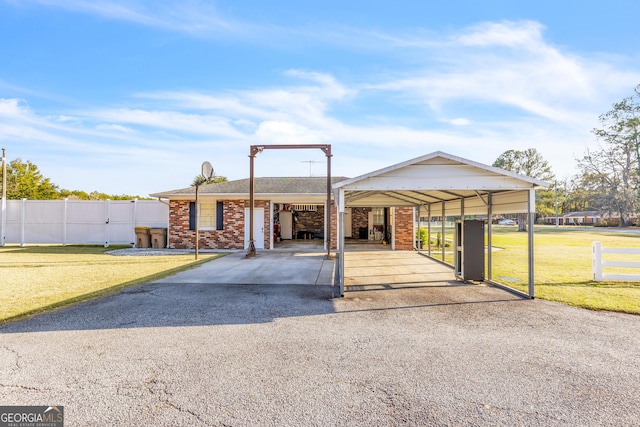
612 171
201 180
530 163
24 181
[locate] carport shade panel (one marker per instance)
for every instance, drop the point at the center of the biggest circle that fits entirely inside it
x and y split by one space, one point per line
503 201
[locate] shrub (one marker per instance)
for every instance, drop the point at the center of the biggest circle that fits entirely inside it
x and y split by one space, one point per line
421 234
607 223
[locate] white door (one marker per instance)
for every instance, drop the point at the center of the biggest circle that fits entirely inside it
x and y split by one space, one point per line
286 225
347 222
258 228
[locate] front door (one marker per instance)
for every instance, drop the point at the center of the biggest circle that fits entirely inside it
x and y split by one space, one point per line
258 228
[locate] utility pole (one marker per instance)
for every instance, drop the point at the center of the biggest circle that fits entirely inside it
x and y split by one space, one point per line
3 221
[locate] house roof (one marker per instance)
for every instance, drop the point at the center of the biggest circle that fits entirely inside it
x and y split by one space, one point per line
273 186
596 214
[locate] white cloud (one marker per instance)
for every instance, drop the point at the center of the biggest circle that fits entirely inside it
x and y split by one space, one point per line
192 17
11 107
489 88
510 64
118 128
526 34
459 121
288 133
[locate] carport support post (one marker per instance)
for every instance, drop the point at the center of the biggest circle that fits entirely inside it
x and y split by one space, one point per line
532 210
489 236
442 227
340 242
429 229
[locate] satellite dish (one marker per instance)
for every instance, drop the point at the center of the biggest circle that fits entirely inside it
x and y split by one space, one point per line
207 170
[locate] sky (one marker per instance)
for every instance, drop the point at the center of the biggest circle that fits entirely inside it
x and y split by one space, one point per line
131 97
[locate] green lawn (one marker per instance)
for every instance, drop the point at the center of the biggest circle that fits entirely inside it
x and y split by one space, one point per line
40 278
562 260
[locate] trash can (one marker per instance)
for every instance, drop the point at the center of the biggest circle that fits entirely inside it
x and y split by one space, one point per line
158 238
143 237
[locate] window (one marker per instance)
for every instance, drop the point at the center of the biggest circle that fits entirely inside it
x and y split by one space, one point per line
378 216
211 216
207 216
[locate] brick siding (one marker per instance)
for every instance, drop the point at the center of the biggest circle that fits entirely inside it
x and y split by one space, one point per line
230 237
404 229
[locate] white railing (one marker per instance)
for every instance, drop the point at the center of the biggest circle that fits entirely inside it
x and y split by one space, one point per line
598 263
101 222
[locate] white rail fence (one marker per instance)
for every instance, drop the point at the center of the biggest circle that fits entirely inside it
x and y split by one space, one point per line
598 263
102 222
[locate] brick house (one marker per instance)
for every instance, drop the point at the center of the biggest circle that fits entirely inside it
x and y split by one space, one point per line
286 208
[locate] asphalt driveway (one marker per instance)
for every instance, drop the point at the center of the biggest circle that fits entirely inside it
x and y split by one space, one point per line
196 349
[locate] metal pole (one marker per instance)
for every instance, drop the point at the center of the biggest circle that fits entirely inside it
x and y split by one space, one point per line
252 248
489 236
4 198
442 227
418 237
429 229
555 195
531 214
328 154
197 220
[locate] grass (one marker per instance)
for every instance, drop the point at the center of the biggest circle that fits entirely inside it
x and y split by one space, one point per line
562 260
36 279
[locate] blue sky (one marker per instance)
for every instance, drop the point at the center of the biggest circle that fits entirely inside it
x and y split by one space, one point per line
130 97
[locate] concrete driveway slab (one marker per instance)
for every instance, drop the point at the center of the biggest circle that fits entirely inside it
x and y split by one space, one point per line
267 267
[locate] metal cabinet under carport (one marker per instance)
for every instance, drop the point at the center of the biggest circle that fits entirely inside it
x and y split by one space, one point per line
469 250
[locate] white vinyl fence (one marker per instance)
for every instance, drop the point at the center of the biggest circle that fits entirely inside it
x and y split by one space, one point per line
101 222
598 263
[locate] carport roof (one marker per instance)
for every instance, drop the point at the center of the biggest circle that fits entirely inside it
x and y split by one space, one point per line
440 177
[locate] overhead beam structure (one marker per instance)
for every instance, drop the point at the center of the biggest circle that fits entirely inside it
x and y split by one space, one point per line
253 152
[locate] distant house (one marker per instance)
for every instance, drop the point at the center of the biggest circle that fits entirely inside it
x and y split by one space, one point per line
576 218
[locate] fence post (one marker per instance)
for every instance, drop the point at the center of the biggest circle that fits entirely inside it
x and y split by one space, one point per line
65 209
134 222
23 220
596 261
107 235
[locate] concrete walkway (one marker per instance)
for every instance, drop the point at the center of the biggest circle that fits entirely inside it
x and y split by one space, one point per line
285 267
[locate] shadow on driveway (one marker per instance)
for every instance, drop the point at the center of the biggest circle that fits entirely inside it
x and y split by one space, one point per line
235 290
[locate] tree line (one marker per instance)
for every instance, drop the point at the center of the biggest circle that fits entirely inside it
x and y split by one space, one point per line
25 181
608 179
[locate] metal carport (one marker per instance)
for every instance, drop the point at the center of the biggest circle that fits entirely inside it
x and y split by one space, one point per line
445 185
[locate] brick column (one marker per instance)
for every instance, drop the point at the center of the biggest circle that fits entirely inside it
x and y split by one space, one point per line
404 229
